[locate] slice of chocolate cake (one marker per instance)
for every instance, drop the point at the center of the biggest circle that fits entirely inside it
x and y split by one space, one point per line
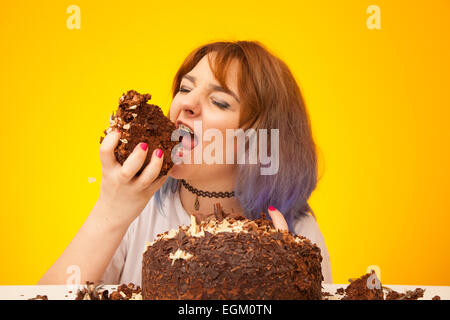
231 258
140 122
368 287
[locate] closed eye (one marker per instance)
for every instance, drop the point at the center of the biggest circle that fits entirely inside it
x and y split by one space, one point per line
221 105
183 89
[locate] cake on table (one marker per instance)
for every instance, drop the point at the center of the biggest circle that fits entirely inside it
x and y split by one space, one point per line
231 257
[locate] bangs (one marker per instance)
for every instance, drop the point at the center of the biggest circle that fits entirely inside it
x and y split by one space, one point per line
220 57
220 61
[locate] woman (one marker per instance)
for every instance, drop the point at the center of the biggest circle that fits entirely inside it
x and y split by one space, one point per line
222 85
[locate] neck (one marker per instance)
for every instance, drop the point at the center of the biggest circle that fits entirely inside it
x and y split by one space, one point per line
206 208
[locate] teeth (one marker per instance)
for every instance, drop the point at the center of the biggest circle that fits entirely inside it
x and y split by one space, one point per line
185 128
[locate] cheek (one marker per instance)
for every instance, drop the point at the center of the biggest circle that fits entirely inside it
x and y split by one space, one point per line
173 111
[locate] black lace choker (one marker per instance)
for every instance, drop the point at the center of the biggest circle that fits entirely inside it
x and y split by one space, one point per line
205 194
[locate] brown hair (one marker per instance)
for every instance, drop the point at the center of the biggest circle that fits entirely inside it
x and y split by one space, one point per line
270 99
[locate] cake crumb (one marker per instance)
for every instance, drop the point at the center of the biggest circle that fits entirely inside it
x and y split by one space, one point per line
408 295
367 287
340 291
39 297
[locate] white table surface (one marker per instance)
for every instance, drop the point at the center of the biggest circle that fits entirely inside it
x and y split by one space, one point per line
61 292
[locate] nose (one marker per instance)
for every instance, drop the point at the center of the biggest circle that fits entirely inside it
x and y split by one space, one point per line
190 105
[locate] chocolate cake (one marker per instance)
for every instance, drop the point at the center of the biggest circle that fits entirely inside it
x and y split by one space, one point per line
408 295
227 257
367 287
140 122
124 292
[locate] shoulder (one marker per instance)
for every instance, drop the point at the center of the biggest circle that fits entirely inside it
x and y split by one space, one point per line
307 226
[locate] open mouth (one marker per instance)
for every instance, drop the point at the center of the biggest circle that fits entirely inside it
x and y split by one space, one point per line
187 137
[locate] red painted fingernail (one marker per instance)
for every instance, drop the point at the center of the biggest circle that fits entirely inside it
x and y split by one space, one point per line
144 146
271 208
118 131
159 153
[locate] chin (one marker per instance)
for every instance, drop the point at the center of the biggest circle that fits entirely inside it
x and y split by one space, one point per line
178 171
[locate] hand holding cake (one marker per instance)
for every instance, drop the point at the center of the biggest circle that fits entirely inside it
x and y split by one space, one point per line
135 156
119 186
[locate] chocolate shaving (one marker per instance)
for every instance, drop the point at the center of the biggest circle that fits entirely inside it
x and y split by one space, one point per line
39 297
92 292
218 213
340 291
408 295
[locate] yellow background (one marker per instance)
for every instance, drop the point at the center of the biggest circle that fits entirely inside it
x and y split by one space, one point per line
378 99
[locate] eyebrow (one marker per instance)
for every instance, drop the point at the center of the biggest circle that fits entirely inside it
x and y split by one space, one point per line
214 87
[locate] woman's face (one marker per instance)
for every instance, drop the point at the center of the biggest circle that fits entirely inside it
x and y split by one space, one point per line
200 98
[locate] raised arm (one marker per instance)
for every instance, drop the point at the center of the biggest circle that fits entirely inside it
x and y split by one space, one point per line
122 198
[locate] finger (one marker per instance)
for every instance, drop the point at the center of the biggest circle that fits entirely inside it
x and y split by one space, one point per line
109 143
152 170
278 219
133 163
